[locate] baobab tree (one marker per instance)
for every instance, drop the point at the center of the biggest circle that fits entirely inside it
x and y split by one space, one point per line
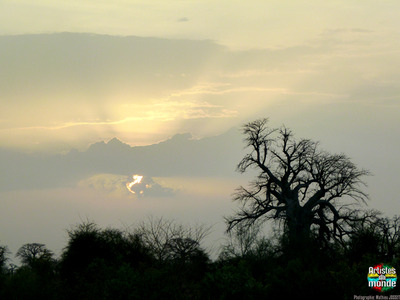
297 183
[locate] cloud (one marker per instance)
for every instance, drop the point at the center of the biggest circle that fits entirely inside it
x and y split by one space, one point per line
110 165
110 183
184 19
144 186
84 88
342 31
177 107
118 185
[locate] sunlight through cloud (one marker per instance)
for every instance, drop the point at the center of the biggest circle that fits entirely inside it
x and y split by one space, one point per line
136 180
136 186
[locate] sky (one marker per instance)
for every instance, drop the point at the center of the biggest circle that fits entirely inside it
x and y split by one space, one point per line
78 73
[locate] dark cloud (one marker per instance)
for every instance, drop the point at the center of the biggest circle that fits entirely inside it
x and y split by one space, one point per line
147 187
96 167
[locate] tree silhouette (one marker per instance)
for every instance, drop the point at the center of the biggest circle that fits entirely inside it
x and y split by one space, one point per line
184 249
297 183
110 261
3 256
379 236
242 241
32 252
169 240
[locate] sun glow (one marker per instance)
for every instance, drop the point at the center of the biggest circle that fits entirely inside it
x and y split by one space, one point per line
136 180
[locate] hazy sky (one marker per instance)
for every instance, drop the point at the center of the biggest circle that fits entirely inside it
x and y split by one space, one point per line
259 57
250 24
146 70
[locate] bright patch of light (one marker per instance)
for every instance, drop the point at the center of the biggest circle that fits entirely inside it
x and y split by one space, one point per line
136 180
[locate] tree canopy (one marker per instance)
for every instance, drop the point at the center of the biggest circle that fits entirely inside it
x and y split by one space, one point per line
298 183
33 252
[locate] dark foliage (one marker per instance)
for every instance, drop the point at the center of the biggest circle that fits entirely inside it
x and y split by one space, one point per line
111 264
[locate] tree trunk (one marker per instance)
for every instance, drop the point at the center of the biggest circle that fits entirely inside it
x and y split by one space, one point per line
298 225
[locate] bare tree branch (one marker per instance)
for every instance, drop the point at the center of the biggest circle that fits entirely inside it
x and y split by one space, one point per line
297 181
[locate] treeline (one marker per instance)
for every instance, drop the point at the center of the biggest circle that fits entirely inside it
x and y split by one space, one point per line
161 259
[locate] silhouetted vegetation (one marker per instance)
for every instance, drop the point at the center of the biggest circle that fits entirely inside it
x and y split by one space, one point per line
320 249
114 264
